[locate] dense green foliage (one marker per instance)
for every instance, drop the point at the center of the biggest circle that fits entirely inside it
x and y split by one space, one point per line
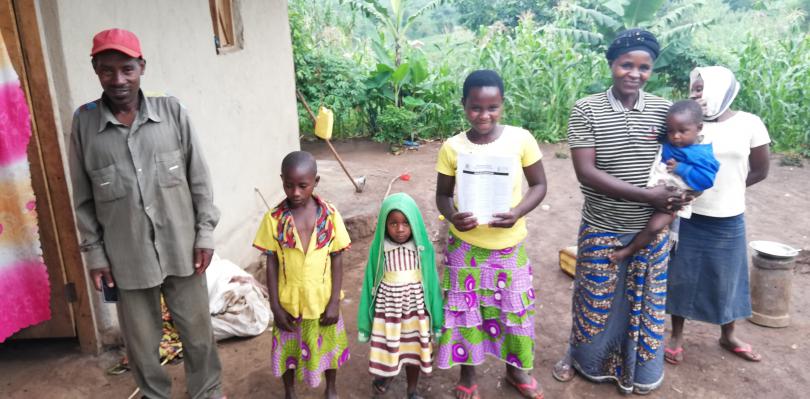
476 13
392 70
325 76
395 124
778 80
544 75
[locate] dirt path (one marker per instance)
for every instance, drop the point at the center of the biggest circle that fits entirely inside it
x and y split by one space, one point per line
777 210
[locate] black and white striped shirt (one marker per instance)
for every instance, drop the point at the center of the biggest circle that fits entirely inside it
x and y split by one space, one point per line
626 143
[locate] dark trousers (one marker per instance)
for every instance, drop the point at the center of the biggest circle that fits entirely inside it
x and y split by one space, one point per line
141 325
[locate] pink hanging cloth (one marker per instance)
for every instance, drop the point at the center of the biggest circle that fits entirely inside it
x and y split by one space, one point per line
24 288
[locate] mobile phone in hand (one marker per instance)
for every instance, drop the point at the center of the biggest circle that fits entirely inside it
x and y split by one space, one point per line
110 293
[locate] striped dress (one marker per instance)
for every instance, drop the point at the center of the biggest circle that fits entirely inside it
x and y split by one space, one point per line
400 333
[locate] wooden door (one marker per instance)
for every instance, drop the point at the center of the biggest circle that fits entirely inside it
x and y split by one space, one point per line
70 305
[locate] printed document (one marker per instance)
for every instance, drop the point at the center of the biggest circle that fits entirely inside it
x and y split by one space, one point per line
484 185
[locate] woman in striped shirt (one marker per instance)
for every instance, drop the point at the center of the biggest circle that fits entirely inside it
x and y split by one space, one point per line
618 308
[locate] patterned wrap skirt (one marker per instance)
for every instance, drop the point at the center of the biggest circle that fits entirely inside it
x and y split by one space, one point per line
400 333
310 350
488 306
708 275
618 310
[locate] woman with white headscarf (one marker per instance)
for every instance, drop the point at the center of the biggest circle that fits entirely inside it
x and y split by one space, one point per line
708 272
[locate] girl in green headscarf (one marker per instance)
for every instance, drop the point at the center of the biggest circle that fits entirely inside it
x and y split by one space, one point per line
401 303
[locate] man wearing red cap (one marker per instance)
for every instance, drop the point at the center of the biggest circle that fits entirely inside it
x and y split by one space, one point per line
145 214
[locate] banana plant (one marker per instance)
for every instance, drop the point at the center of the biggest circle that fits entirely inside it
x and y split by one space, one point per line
393 19
399 67
673 22
390 79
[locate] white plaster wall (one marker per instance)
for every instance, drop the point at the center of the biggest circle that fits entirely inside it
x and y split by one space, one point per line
242 103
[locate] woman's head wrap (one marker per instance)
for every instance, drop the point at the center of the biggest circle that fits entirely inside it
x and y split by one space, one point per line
720 87
631 40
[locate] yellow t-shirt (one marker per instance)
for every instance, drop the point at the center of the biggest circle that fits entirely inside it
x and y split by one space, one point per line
305 280
514 142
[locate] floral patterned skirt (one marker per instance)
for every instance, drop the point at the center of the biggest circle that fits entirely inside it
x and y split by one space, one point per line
618 310
488 306
310 350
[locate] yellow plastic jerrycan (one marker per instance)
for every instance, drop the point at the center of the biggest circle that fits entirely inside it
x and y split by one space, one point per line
324 122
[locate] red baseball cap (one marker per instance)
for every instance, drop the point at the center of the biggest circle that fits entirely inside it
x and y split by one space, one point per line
118 40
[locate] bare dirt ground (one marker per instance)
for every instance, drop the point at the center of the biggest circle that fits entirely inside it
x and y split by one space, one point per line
777 210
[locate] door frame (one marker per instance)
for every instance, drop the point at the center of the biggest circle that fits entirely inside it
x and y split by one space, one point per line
59 202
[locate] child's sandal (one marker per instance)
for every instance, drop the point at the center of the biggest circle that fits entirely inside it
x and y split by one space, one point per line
380 385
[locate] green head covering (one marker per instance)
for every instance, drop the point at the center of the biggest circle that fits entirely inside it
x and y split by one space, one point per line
404 203
375 266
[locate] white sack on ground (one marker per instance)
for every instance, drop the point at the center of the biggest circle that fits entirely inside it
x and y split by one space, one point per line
238 303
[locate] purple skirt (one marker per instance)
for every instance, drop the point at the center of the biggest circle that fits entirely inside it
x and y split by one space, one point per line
488 308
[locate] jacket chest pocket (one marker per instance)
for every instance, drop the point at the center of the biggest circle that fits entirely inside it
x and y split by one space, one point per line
171 170
107 184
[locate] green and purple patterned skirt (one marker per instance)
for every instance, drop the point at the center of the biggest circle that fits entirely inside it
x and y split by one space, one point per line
309 350
489 306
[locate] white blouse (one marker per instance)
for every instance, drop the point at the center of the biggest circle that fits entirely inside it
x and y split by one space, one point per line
732 141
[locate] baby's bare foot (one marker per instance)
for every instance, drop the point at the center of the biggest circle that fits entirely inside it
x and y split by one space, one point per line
620 254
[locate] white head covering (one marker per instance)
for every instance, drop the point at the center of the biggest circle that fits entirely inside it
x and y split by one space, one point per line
719 89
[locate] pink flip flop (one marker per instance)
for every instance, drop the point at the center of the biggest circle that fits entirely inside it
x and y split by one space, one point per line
746 352
528 391
673 356
471 392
